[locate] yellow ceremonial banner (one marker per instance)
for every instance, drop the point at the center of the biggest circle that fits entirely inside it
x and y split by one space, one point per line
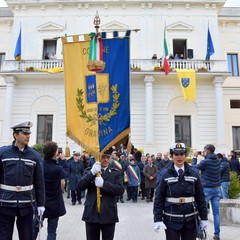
79 128
187 80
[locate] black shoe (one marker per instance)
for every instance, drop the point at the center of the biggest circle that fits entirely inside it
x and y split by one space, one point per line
147 200
151 200
121 200
73 203
216 238
68 196
80 202
128 199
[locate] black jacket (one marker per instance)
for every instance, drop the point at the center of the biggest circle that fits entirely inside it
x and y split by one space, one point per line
21 168
53 174
112 187
170 186
235 166
210 171
225 170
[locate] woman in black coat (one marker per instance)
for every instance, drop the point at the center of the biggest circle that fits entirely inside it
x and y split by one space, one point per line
54 176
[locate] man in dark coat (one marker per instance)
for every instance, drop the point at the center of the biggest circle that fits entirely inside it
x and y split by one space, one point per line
76 169
120 165
150 173
54 181
164 162
225 175
141 166
110 183
234 163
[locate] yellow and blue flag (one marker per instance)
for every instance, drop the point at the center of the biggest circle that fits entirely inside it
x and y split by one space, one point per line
18 48
97 104
187 80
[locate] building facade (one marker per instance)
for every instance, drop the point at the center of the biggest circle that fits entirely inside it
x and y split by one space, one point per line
159 113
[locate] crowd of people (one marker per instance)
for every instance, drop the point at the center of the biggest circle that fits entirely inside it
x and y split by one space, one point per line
180 192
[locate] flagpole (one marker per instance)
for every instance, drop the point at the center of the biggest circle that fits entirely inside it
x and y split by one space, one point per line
96 23
109 31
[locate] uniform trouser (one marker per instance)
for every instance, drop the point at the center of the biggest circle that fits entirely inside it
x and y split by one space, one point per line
183 234
93 231
24 226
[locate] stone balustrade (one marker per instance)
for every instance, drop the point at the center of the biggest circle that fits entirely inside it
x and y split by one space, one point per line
136 65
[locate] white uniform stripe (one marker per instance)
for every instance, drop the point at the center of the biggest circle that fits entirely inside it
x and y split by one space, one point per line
17 159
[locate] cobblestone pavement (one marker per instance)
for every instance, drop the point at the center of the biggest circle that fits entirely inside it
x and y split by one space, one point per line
136 223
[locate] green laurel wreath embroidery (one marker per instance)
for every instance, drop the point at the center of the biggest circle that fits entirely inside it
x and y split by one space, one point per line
93 119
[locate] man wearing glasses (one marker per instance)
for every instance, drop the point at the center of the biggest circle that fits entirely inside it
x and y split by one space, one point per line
21 184
179 198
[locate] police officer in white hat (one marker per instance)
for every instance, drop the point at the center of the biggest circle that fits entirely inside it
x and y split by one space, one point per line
21 184
180 200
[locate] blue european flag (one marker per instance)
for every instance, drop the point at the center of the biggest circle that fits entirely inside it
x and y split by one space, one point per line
210 47
18 48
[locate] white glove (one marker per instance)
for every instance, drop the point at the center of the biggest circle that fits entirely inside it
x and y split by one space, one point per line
158 225
203 224
98 181
96 168
40 210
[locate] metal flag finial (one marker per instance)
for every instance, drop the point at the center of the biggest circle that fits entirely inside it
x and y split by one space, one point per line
96 21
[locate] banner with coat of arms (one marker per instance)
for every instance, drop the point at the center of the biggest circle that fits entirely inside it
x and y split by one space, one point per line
187 80
97 104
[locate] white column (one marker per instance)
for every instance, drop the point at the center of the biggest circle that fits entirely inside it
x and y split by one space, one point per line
220 141
10 81
149 114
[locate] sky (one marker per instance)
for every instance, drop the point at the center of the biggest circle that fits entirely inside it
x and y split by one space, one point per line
229 3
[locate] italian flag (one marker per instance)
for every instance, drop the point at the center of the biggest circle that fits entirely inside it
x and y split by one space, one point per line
164 56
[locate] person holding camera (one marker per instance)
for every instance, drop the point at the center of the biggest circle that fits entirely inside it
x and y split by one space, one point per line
179 200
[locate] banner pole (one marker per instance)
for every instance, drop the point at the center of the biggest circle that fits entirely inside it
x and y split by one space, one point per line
98 189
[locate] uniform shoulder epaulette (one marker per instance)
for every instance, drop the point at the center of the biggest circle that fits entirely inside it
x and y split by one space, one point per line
88 168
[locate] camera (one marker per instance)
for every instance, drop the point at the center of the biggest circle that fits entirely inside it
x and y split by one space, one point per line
60 150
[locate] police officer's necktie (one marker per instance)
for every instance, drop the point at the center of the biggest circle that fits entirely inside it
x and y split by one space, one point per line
180 173
103 171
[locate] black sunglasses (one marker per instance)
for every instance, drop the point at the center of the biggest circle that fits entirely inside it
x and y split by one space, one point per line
178 154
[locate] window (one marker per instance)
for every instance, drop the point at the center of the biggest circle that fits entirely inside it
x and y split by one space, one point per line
179 48
236 137
183 130
233 64
2 58
44 128
234 103
49 48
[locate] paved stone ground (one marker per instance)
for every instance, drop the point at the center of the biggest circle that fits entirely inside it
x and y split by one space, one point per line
136 223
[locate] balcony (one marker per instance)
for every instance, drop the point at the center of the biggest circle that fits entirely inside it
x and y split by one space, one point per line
148 65
137 65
